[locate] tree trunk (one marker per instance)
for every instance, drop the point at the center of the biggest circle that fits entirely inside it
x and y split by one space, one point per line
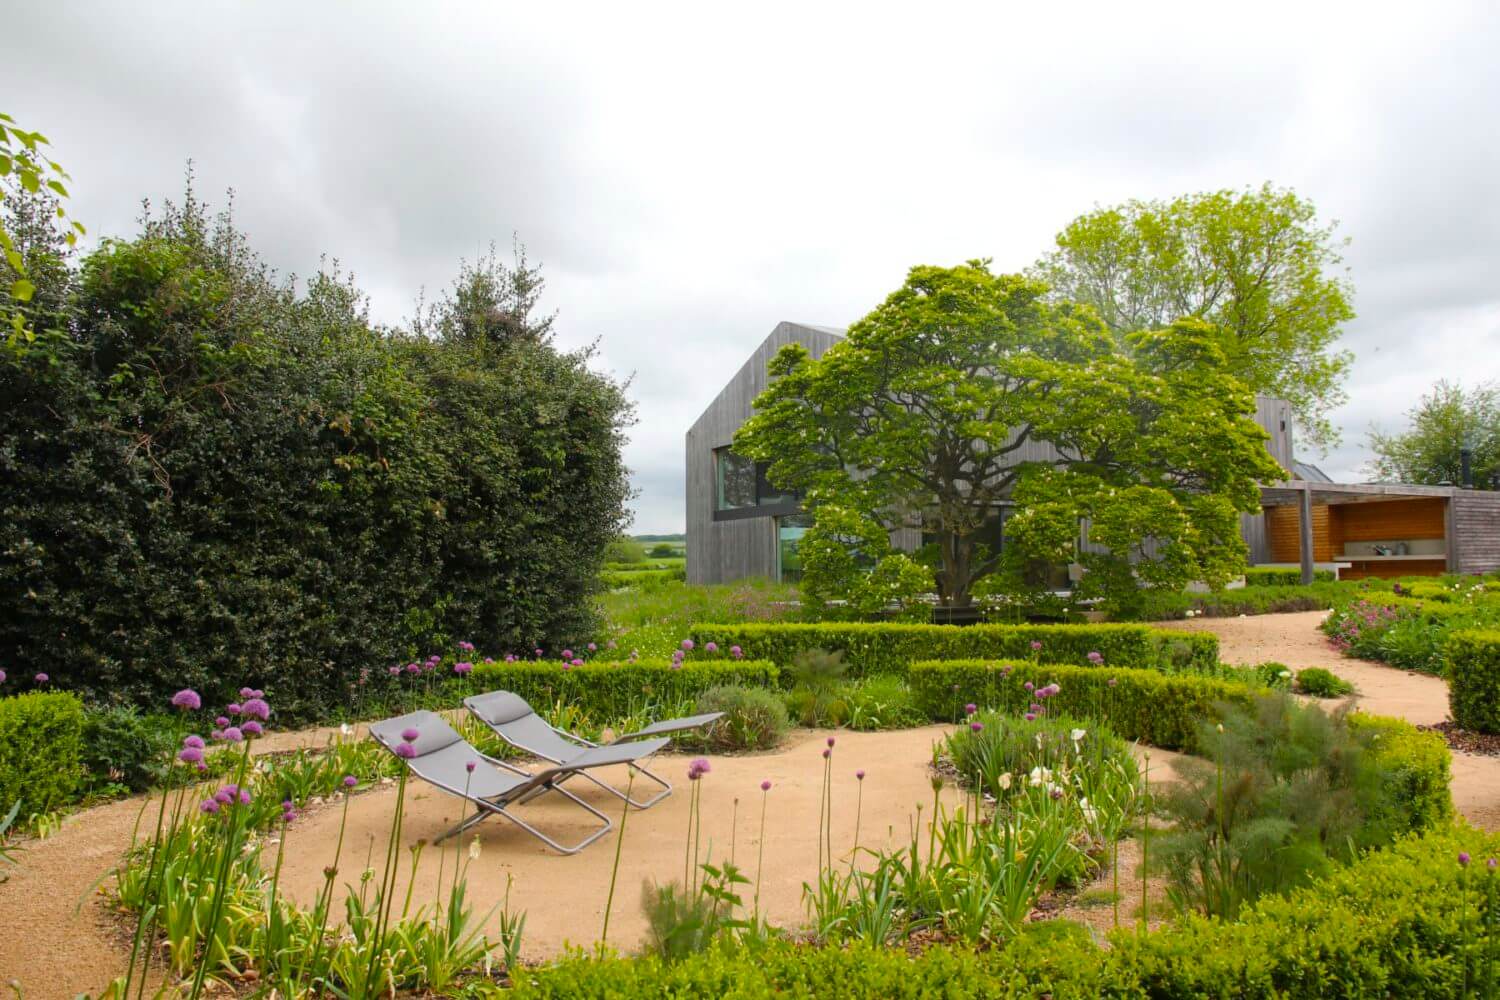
958 555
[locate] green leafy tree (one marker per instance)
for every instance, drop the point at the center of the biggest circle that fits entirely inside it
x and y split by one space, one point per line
921 415
1446 419
25 169
1256 264
847 556
491 304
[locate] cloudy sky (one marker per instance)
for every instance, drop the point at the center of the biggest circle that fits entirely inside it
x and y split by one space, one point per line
691 175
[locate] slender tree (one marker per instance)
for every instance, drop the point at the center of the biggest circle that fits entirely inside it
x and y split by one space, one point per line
1440 427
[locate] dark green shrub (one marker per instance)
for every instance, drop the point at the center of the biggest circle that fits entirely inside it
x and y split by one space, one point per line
608 691
754 718
626 551
1258 576
662 550
209 480
41 751
122 747
1322 683
883 648
1414 767
1474 679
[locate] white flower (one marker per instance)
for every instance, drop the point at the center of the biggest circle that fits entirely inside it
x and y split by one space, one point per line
474 849
345 729
1078 734
1285 673
1039 776
1005 781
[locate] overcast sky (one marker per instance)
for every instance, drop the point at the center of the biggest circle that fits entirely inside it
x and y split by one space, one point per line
690 176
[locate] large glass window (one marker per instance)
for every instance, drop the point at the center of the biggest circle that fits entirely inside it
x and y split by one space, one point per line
736 480
740 483
789 532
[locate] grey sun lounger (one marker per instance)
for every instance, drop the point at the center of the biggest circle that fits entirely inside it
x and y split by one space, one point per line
515 722
493 786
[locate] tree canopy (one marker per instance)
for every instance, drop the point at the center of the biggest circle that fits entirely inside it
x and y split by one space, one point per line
966 388
1257 265
1438 427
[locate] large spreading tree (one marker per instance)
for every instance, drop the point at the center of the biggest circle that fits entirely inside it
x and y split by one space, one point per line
1447 420
938 406
1257 265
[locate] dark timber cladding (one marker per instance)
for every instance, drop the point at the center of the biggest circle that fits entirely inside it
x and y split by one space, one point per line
719 551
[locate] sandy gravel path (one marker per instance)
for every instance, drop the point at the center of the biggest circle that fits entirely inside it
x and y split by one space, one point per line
1294 639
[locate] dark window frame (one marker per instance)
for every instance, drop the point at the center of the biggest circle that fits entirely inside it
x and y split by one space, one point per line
784 503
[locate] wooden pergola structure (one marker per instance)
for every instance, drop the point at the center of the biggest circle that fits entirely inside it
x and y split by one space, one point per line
1470 519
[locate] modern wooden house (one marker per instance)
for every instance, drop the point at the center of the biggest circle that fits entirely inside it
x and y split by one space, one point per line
739 525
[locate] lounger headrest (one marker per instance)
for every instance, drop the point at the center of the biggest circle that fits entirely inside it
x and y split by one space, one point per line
433 732
499 707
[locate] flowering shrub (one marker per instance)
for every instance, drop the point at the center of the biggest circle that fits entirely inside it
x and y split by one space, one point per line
1410 633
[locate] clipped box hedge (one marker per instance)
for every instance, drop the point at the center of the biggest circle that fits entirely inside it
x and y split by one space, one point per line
1165 710
1406 921
615 690
888 648
1474 679
1160 709
41 751
1269 577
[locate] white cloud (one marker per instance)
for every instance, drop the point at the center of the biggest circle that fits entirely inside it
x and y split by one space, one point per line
692 174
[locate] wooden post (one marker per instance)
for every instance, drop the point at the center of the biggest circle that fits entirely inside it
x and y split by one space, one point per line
1304 526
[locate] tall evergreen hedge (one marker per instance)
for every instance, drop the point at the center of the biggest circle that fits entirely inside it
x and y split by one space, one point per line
209 478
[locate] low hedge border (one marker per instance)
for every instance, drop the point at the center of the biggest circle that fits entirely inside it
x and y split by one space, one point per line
41 751
1404 921
1165 710
607 691
1474 679
888 648
1265 577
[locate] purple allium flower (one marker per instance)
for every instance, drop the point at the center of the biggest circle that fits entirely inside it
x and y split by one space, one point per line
410 735
593 647
1111 682
247 692
736 652
286 804
222 721
687 644
976 727
577 662
209 806
827 753
765 786
1492 864
1030 716
510 657
970 708
256 708
216 734
466 646
469 767
566 665
350 781
202 768
187 699
223 797
251 728
1056 794
1463 858
1036 644
1029 686
830 741
232 735
232 708
257 693
244 796
1095 658
462 668
567 654
288 815
193 740
539 652
859 775
405 751
394 671
2 676
42 678
697 768
190 755
414 668
711 647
